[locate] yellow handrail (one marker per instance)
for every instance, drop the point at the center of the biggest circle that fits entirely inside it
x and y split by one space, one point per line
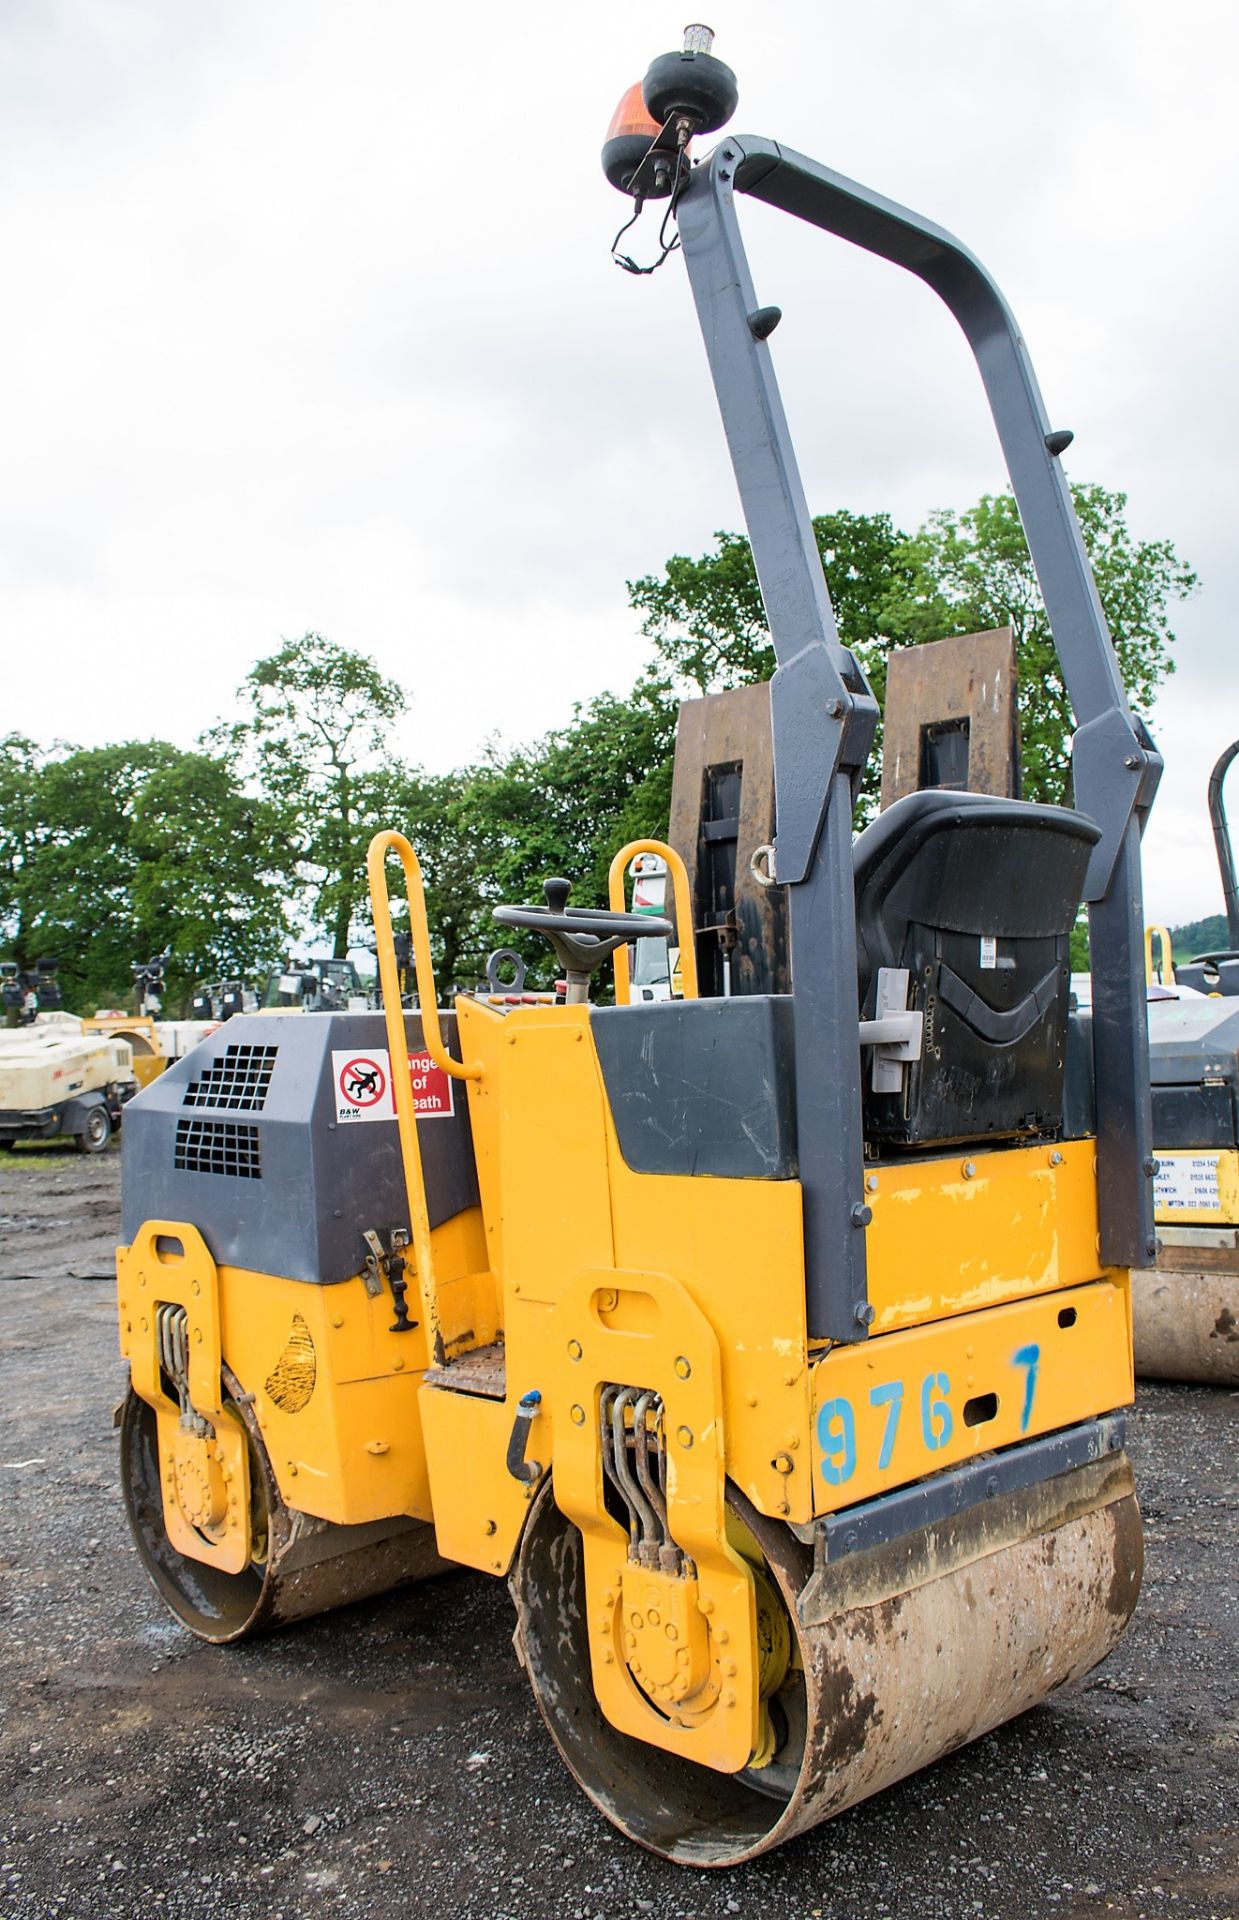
423 966
683 915
1163 973
398 1049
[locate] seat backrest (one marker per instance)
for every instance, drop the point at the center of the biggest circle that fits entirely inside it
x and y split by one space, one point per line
977 898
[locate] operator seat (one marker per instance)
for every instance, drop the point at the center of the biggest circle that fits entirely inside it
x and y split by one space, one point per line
976 897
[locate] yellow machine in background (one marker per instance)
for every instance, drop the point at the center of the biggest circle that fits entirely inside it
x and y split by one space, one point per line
772 1347
1186 1301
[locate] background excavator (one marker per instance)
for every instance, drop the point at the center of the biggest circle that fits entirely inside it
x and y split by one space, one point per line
772 1346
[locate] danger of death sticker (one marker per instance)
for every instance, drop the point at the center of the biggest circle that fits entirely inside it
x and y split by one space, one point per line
364 1090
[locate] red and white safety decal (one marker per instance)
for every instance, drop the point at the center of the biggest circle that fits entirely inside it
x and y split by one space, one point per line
363 1085
432 1088
364 1091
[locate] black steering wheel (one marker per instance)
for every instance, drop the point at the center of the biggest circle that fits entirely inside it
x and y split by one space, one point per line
581 936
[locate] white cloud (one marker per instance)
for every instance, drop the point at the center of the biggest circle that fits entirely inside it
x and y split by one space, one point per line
310 323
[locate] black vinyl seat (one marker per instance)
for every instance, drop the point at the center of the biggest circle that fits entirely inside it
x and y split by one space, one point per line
976 897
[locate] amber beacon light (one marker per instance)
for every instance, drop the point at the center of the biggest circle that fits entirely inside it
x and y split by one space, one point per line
682 94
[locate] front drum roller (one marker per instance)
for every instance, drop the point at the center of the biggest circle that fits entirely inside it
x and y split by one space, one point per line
1186 1326
299 1566
900 1655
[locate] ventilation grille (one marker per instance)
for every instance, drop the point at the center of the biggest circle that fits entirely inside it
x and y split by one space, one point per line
240 1080
217 1146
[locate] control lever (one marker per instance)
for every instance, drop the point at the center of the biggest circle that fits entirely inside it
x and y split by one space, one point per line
384 1264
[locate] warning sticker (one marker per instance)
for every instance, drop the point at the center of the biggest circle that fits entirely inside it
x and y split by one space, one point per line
364 1091
1187 1183
363 1085
432 1087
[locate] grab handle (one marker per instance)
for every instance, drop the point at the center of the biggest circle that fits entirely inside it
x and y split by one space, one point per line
1163 973
423 966
683 915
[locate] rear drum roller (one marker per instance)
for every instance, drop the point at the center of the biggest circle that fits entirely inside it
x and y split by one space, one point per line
1186 1326
898 1656
299 1566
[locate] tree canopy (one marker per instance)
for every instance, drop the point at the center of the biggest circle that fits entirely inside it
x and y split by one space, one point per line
315 737
258 836
110 854
960 573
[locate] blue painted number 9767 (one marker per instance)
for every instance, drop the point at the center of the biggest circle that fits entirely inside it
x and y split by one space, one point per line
836 1421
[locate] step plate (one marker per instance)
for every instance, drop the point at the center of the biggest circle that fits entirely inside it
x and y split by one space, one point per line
483 1371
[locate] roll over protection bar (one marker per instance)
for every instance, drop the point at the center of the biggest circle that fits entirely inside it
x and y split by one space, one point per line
824 714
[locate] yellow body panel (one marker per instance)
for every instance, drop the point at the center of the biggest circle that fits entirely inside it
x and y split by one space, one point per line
944 1240
643 1329
334 1389
994 1322
1197 1189
204 1476
907 1404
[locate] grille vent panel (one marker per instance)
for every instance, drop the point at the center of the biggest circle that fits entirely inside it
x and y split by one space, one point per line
238 1081
218 1146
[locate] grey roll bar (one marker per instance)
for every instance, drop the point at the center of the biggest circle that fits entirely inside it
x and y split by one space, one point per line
1221 842
823 712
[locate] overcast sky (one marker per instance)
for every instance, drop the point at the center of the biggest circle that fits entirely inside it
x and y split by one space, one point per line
310 322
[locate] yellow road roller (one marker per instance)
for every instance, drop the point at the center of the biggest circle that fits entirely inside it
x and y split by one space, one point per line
773 1348
1186 1303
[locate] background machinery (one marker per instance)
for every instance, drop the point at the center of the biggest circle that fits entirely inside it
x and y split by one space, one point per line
1186 1304
57 1082
772 1346
315 986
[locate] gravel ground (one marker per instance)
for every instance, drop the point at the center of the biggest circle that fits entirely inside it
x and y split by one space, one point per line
388 1760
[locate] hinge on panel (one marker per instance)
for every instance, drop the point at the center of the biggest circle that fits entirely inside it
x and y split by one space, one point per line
388 1264
895 1033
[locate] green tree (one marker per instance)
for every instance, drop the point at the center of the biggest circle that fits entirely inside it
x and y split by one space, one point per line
21 768
110 854
211 874
75 888
960 573
427 809
563 804
1210 935
706 616
973 570
316 736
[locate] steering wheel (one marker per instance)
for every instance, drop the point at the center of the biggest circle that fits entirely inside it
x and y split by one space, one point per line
581 936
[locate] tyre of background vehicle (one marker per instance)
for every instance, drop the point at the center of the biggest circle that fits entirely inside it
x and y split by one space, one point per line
97 1131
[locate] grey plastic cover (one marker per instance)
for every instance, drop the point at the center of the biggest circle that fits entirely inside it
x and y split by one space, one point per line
702 1086
244 1139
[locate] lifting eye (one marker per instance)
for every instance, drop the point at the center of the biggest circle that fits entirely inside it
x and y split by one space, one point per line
1066 1316
980 1410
